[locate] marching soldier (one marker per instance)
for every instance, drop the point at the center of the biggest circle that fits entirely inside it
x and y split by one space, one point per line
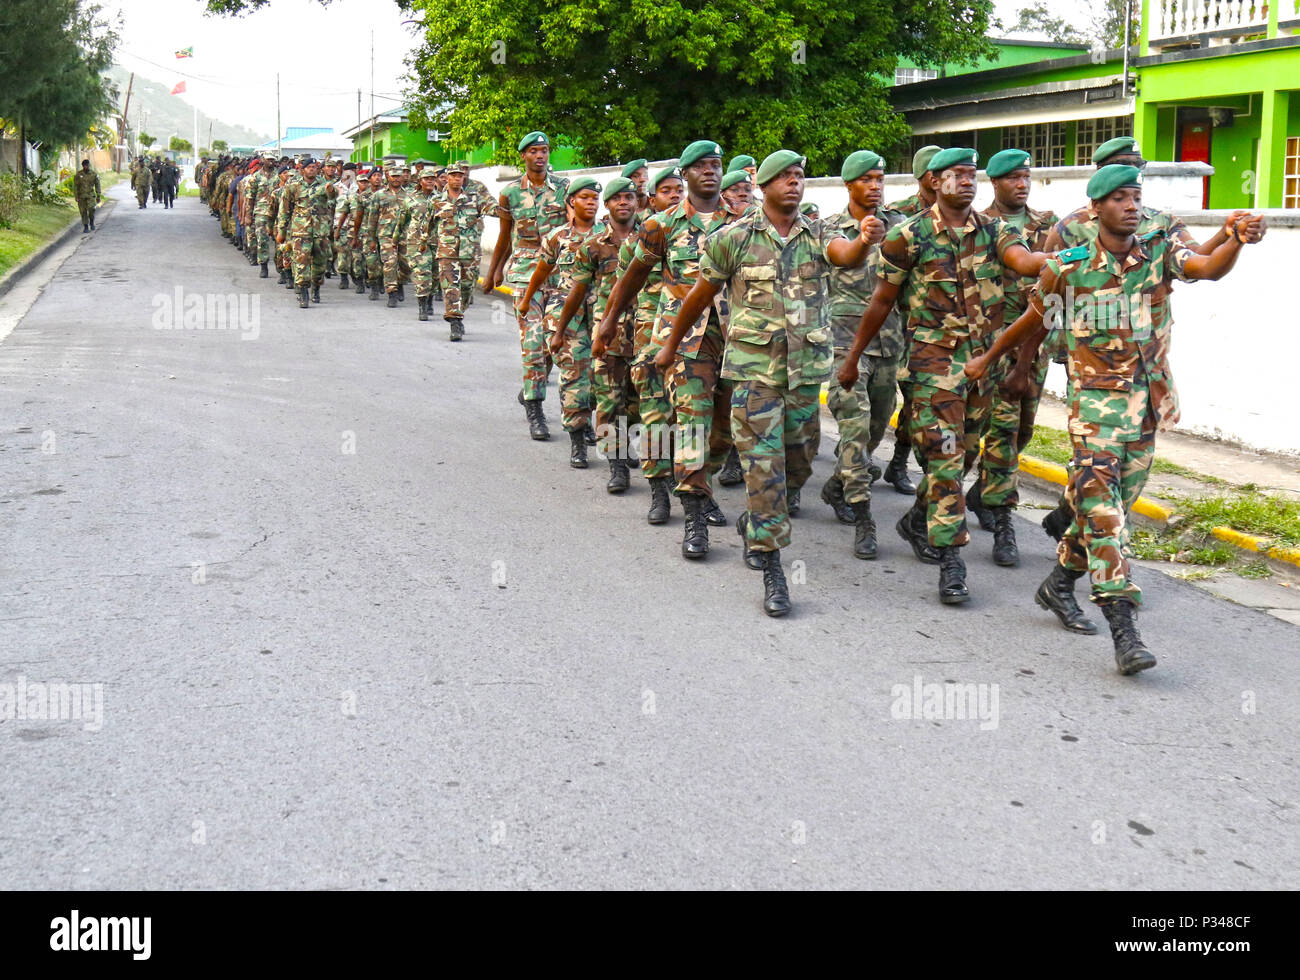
85 188
300 225
454 219
140 181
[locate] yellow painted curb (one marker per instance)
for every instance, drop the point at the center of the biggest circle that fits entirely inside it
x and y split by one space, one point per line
503 290
1261 545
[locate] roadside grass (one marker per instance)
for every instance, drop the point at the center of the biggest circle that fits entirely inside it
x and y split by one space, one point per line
36 224
1052 445
1265 515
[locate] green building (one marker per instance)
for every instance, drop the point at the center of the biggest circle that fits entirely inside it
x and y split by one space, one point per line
389 134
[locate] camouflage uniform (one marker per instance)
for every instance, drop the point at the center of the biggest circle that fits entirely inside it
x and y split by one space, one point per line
277 206
701 395
487 207
560 251
85 188
383 219
953 288
301 221
1120 391
908 207
597 269
862 413
420 221
778 354
653 403
534 212
263 188
141 184
343 215
1011 420
457 221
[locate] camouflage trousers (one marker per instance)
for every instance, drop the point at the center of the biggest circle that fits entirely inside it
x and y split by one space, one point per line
614 391
702 406
396 270
1009 428
532 342
342 256
777 432
862 415
1106 479
573 361
264 236
945 429
457 288
86 205
657 416
143 192
424 271
370 256
307 254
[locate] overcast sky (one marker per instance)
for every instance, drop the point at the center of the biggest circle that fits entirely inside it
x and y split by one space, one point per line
321 53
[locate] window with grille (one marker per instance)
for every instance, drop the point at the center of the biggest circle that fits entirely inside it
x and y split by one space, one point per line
1091 133
906 76
1291 189
1044 141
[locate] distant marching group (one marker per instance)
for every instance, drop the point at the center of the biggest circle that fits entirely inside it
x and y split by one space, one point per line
708 307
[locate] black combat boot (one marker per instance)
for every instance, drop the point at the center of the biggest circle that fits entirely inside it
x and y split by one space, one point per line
776 594
315 292
283 277
833 495
329 269
457 329
619 476
952 577
695 534
713 513
659 501
1005 552
360 287
437 294
1058 521
589 434
423 303
730 475
1056 593
265 273
401 294
1131 654
792 503
343 281
577 450
536 421
392 300
85 228
864 530
374 291
975 505
896 471
753 559
873 469
304 297
290 283
911 528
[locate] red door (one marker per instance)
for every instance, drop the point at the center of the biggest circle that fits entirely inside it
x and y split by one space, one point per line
1194 147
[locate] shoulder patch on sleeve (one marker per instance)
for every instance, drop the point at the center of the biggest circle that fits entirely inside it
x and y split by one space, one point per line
1153 235
1076 254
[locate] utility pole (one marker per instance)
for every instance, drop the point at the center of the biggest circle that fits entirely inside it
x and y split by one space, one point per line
278 147
372 94
121 126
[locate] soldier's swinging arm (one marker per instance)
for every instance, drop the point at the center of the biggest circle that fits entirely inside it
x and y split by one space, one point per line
501 253
541 272
699 299
873 318
572 303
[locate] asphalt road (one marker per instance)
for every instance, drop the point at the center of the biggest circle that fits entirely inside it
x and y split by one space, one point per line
446 659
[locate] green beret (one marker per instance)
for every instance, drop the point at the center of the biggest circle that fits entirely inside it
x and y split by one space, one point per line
952 157
633 166
808 207
616 186
776 162
660 176
741 162
860 162
734 177
582 184
698 151
1120 144
533 139
921 160
1111 178
1001 164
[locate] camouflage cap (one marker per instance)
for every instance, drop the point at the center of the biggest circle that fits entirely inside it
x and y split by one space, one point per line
1112 178
860 162
660 176
954 156
454 168
617 186
463 163
741 162
698 151
421 162
534 138
1120 144
582 184
632 166
1005 161
775 163
307 161
735 177
921 160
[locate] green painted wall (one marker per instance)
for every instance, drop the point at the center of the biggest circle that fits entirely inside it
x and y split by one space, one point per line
413 144
1232 154
1008 53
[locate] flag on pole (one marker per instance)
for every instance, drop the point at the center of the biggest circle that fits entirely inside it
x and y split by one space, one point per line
185 52
180 87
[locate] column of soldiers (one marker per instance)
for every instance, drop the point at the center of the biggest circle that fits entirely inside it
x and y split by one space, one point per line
708 307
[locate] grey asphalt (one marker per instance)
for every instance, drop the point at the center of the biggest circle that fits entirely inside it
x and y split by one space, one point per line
449 660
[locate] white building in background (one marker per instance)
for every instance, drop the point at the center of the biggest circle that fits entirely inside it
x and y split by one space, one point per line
319 142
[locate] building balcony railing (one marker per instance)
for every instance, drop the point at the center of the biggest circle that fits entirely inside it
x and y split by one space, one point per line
1225 20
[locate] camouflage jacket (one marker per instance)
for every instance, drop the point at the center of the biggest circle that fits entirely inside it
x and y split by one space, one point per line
261 187
908 207
456 223
487 204
383 214
418 208
779 332
597 268
535 213
301 207
85 185
851 290
560 251
646 305
952 283
1120 384
673 241
1035 228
